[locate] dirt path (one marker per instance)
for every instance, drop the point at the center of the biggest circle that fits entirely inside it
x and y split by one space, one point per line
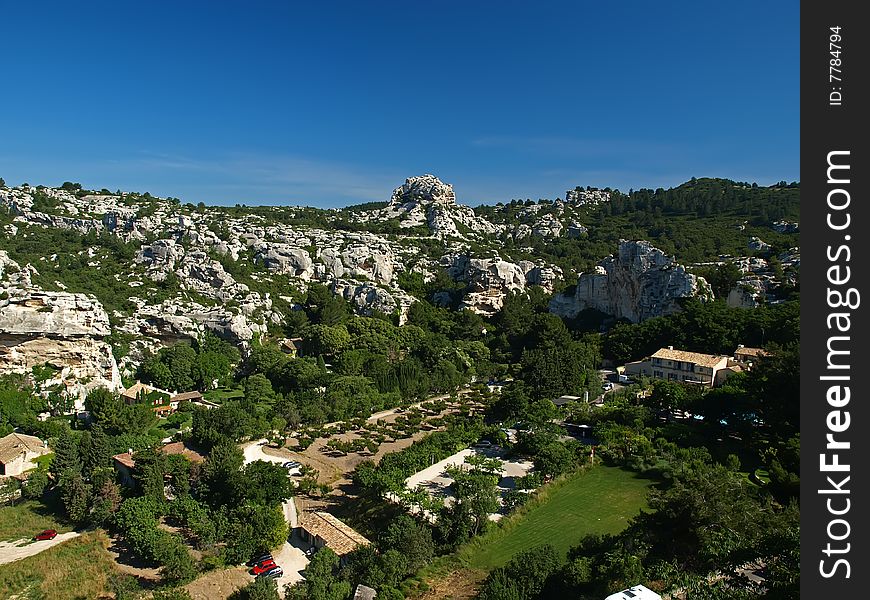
12 551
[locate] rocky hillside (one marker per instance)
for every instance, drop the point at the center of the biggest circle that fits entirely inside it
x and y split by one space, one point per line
79 268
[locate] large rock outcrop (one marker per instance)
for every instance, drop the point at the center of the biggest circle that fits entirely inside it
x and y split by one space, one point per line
639 283
428 201
368 298
59 329
488 280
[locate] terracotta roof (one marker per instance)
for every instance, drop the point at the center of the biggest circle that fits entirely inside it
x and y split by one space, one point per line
337 536
134 390
292 344
125 459
181 448
15 444
186 396
705 360
752 351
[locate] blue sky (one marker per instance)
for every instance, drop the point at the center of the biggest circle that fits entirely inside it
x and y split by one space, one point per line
333 103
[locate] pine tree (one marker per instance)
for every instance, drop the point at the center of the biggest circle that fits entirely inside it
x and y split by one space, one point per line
66 455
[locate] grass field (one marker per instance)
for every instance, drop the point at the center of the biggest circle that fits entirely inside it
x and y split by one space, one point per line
26 519
76 569
601 500
223 394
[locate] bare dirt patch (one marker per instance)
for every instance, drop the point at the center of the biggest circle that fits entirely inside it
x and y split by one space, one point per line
218 584
461 584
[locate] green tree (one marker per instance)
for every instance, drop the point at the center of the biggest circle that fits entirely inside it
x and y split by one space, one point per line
262 588
411 539
66 455
321 580
36 484
267 483
76 495
178 566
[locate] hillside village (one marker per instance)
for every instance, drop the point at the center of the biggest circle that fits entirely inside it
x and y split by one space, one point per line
399 399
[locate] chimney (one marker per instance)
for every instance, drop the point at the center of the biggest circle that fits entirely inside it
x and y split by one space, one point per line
670 347
130 451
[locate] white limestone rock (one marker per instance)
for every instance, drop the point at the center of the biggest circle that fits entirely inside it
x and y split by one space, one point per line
60 314
786 227
547 226
756 243
639 283
366 298
286 259
208 277
488 279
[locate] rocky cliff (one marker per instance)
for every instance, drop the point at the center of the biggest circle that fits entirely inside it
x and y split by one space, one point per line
638 283
62 330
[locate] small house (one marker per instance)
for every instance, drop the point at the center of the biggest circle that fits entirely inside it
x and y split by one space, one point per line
291 346
124 463
18 453
323 529
746 357
142 392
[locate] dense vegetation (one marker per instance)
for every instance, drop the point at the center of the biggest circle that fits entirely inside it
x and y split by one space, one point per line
725 461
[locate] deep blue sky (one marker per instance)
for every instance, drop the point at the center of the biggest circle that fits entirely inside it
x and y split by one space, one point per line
329 104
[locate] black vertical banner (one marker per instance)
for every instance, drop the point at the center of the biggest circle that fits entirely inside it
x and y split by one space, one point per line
835 329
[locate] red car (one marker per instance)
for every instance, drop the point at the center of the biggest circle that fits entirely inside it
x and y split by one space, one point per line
263 567
48 534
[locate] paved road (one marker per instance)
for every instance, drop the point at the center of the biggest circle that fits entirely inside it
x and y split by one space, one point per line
12 551
291 556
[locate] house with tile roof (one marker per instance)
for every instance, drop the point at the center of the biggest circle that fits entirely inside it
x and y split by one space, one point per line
323 529
18 453
683 367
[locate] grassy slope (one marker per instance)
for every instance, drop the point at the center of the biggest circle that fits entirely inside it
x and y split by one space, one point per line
77 568
601 500
26 519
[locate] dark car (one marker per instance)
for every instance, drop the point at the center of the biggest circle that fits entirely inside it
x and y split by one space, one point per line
259 559
48 534
274 573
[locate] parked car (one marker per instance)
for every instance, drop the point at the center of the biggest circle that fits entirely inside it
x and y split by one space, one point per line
274 573
607 386
292 464
259 559
48 534
483 444
263 567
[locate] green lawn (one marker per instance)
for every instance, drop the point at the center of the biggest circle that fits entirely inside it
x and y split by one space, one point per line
25 519
220 395
601 500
